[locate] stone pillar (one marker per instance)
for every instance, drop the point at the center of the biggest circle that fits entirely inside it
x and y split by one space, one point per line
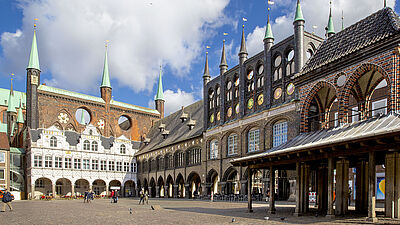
392 185
175 190
298 190
186 191
158 189
362 187
249 188
33 191
371 187
53 190
272 209
223 187
91 187
330 213
342 186
107 190
73 190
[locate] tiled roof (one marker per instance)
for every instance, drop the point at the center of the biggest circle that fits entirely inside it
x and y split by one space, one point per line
134 107
364 129
5 93
376 27
178 130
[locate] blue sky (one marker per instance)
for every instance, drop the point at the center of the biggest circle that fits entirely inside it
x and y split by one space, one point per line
145 34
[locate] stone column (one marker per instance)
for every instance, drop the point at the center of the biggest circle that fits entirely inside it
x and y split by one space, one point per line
298 190
158 189
186 191
392 185
249 188
330 213
72 190
33 191
272 209
53 190
361 201
371 187
107 190
175 191
342 186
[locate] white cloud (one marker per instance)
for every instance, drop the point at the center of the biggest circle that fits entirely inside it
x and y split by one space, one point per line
71 35
175 100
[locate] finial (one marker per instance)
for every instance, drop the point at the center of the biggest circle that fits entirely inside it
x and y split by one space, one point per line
12 75
106 43
34 23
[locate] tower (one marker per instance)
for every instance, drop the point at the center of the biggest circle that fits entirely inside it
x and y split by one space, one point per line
242 72
223 66
11 116
330 29
105 88
32 83
298 24
243 50
159 101
268 43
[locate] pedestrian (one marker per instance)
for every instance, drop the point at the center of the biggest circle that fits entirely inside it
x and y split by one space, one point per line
112 196
141 195
7 198
212 196
146 197
116 195
85 196
89 196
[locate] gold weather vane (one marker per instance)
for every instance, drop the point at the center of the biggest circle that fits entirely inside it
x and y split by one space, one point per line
12 75
34 23
107 41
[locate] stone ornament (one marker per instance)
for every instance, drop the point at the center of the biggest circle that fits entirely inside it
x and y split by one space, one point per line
101 124
63 118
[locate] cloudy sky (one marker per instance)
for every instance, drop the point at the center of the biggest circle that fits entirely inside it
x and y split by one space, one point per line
145 34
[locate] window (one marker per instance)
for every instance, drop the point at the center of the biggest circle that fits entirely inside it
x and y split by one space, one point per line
134 167
2 174
58 162
103 165
354 114
169 162
336 119
254 140
86 145
126 166
94 146
2 157
38 161
280 133
379 107
39 184
119 166
232 144
160 163
180 159
53 142
122 149
95 164
194 156
213 149
86 164
48 161
111 166
77 164
68 163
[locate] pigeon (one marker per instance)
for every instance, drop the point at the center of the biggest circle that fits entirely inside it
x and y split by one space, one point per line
233 220
152 207
130 210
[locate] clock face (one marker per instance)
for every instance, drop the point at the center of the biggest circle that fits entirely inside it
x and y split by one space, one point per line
250 103
278 93
218 116
212 118
237 108
290 89
229 114
260 99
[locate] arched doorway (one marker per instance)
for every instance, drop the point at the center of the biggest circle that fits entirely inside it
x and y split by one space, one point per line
152 188
170 187
43 186
194 182
99 187
129 189
115 185
232 182
63 187
213 181
181 186
81 186
160 183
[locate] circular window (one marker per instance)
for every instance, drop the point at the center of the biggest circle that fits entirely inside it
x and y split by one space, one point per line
250 103
278 93
260 69
82 116
277 61
290 89
250 74
124 123
290 55
341 80
229 112
229 85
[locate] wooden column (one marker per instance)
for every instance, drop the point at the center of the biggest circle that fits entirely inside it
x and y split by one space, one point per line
330 213
305 188
272 209
342 186
249 188
362 186
298 187
322 189
371 187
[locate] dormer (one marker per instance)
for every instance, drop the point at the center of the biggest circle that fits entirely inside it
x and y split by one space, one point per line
191 124
165 133
161 127
146 141
184 115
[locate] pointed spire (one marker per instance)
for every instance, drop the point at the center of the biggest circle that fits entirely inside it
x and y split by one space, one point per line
160 92
299 13
330 28
206 70
20 117
83 122
106 77
268 29
243 43
223 57
34 56
10 103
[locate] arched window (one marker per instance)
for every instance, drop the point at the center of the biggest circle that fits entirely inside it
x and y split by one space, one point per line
53 141
86 145
290 63
194 156
218 89
180 159
214 149
95 146
253 140
122 149
279 133
232 144
229 91
278 69
211 98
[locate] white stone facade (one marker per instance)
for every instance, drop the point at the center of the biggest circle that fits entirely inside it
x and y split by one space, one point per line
57 168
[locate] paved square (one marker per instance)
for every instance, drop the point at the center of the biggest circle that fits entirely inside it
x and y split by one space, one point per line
173 212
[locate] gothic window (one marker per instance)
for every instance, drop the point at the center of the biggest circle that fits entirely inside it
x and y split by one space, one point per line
290 63
122 149
279 133
37 161
217 100
53 141
180 159
232 144
229 91
169 161
250 80
160 163
278 69
253 140
214 149
260 82
48 162
211 98
194 156
94 146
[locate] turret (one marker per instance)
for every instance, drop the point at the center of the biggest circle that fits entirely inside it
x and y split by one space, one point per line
223 66
298 24
330 29
159 101
268 43
32 83
243 51
11 115
206 74
105 88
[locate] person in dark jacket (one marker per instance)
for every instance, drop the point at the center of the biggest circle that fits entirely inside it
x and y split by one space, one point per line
141 195
7 198
116 195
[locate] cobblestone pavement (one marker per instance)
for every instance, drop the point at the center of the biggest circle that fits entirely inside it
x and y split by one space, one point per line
172 212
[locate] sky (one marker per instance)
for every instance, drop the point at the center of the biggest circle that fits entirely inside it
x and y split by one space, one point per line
144 34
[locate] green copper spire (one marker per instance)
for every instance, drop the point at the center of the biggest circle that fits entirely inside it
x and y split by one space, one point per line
10 103
83 118
34 56
20 117
331 29
299 13
160 92
106 77
268 29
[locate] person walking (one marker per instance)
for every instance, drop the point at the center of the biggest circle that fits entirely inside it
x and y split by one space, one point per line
112 196
7 198
116 195
141 195
85 196
146 197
